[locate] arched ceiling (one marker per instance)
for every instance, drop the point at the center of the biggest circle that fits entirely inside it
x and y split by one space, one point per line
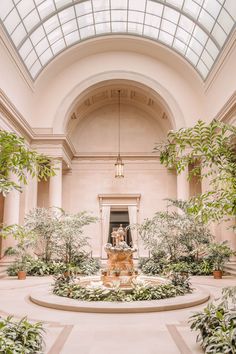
41 29
132 95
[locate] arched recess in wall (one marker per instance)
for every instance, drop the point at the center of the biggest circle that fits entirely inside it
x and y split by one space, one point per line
65 109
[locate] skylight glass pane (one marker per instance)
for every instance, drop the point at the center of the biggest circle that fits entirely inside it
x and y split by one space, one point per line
207 20
83 8
118 27
25 7
61 3
137 5
37 35
69 27
213 7
168 26
135 16
207 59
171 14
183 35
230 6
118 4
5 8
150 32
42 46
119 15
85 20
55 35
31 20
200 35
32 57
87 32
192 8
154 8
212 48
152 20
193 57
35 69
25 49
51 24
226 21
219 34
195 46
18 34
46 8
58 46
180 46
100 5
46 56
72 38
103 27
66 15
186 24
202 68
165 37
102 16
12 21
136 28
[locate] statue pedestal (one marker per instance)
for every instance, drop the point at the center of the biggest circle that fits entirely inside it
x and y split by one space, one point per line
120 267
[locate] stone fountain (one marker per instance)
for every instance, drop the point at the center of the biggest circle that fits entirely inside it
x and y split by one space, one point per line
120 269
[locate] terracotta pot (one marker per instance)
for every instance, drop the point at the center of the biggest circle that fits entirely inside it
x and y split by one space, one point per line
67 273
217 274
21 275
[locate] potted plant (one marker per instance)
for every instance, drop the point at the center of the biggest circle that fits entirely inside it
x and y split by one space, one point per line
21 250
219 254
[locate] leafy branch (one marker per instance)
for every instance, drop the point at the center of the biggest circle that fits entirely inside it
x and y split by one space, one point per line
210 148
17 159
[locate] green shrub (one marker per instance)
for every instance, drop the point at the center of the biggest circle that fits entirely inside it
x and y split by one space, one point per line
64 286
37 267
20 337
89 266
216 326
151 266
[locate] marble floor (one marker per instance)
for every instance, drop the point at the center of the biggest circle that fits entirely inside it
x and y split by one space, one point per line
86 333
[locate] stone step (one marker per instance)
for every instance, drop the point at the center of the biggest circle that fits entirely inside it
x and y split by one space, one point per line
3 272
230 268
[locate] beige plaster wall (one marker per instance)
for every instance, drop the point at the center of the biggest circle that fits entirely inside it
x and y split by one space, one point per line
89 178
98 132
13 83
221 85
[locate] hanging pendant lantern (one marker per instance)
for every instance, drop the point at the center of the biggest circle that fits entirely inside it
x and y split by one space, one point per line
119 164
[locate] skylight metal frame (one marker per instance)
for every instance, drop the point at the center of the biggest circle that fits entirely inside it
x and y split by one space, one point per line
65 25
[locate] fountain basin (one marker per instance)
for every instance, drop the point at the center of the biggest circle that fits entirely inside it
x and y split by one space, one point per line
44 297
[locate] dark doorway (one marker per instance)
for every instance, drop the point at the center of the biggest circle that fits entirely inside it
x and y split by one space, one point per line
116 219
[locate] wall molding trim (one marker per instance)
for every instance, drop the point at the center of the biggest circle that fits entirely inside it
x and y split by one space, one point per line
228 111
55 145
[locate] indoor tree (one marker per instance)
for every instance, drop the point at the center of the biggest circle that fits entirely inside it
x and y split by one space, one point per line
43 222
17 159
175 234
69 239
210 148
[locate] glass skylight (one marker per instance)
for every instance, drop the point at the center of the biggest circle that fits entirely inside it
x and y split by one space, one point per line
41 29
